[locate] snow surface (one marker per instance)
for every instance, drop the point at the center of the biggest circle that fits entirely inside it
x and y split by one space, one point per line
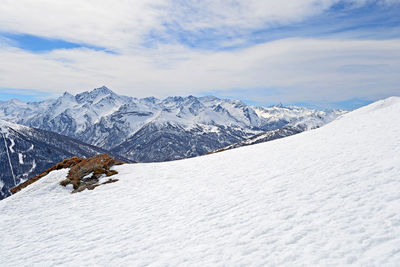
20 158
5 125
329 196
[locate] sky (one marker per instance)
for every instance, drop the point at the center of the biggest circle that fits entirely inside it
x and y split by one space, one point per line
322 53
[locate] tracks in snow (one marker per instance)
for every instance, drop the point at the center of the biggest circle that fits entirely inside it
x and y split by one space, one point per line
9 159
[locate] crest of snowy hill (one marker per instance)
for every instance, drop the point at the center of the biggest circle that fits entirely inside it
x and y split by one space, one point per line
25 152
151 129
329 196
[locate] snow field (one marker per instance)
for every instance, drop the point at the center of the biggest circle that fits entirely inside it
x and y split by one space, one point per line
329 196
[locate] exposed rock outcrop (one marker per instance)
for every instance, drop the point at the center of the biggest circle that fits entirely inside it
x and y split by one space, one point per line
83 173
86 174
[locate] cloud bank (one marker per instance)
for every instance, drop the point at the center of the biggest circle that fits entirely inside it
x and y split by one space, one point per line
154 48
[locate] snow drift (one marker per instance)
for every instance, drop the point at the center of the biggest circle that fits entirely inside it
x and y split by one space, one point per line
329 196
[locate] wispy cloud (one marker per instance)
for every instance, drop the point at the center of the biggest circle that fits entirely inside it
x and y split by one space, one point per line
300 68
123 25
302 50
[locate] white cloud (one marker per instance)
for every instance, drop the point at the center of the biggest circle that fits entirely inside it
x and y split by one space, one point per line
122 24
298 69
106 23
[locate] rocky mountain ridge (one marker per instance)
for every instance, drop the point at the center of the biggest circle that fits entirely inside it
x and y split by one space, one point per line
151 129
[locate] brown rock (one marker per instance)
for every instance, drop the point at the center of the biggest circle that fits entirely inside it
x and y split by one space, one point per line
97 166
79 168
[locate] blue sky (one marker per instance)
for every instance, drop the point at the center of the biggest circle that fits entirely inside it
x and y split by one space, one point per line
341 20
321 53
39 44
22 94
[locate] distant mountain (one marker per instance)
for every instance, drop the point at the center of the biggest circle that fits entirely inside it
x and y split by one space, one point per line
150 129
25 152
285 131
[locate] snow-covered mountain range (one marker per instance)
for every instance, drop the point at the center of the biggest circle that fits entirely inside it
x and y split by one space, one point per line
151 129
325 197
25 152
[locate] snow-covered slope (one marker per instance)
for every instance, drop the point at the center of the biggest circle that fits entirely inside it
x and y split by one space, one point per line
179 126
25 152
329 196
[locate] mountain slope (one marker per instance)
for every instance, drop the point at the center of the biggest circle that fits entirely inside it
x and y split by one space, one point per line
282 132
25 152
289 129
165 142
328 196
184 126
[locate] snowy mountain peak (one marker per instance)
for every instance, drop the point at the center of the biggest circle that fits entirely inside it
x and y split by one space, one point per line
104 90
95 95
208 98
173 99
150 99
67 94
